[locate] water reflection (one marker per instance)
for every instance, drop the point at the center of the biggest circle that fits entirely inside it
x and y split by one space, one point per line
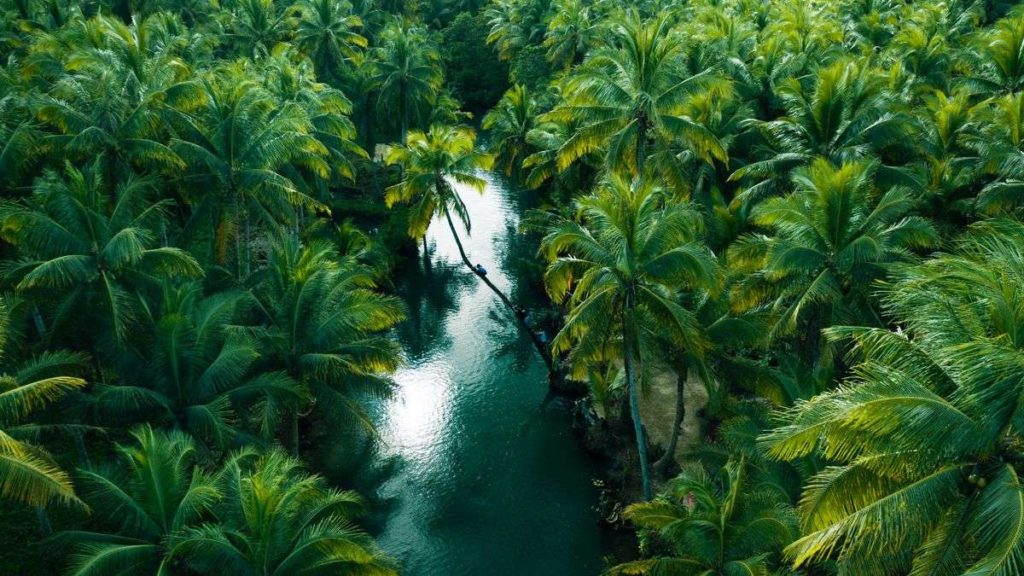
477 471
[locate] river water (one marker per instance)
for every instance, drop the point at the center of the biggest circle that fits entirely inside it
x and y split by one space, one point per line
478 471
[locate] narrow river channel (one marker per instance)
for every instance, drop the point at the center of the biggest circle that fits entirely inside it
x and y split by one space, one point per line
479 472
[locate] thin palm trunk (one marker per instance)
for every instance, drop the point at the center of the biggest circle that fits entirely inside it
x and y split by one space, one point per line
545 354
632 365
661 466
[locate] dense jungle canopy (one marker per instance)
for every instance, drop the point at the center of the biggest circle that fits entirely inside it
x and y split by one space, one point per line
780 242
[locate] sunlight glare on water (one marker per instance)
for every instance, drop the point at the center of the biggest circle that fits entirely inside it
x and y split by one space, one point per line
479 472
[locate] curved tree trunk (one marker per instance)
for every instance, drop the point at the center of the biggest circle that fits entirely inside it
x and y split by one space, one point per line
661 466
632 365
542 349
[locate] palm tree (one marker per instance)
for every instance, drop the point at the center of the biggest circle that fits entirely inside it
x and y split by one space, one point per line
924 436
847 114
155 493
571 31
616 267
237 148
628 95
515 24
326 33
91 249
730 339
998 60
328 112
1000 148
432 164
325 329
28 474
407 74
278 520
714 526
112 103
189 369
830 241
509 124
22 141
949 127
259 25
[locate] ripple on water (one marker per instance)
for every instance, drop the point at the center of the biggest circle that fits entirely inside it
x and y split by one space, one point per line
490 479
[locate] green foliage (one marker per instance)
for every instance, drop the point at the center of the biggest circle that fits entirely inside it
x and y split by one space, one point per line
741 192
28 473
432 162
714 525
472 68
924 434
277 519
832 241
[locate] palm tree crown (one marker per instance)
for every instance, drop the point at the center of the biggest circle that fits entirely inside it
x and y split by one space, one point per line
924 437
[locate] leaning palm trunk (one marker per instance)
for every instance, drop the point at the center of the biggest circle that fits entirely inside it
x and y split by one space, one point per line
661 466
543 350
632 365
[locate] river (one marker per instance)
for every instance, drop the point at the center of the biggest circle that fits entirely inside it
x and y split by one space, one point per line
478 471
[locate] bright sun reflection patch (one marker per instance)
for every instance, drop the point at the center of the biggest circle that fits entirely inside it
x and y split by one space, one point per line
420 411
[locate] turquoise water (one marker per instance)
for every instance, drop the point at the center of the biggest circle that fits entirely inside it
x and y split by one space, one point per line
478 471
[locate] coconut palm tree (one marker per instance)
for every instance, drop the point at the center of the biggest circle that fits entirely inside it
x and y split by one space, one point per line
326 327
949 134
22 141
845 114
407 75
155 492
627 96
90 249
616 266
257 26
570 34
326 32
714 525
433 163
328 111
237 148
830 240
112 102
923 438
1000 148
515 24
189 369
28 474
509 124
277 520
998 59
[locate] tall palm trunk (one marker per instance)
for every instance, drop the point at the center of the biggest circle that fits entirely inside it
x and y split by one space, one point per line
543 350
661 466
632 365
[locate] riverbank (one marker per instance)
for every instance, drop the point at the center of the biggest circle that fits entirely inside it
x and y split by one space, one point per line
477 469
